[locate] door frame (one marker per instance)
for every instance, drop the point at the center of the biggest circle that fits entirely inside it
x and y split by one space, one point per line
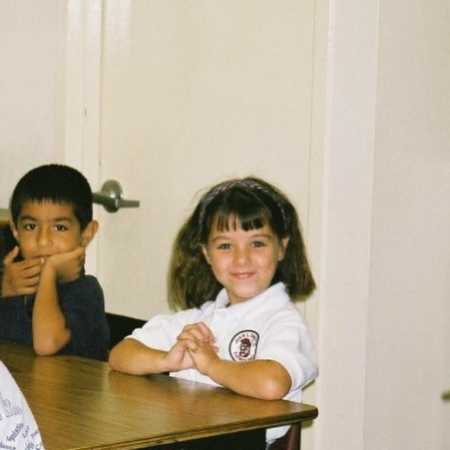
83 96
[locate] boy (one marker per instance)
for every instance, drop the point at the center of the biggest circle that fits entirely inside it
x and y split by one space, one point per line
46 299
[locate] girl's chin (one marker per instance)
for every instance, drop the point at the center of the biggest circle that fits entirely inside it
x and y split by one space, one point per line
243 295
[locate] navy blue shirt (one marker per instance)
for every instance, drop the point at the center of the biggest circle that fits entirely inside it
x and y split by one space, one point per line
83 306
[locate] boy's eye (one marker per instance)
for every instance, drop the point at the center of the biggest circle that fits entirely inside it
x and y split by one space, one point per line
61 227
29 226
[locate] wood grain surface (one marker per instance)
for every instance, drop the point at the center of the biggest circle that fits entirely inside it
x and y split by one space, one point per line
81 404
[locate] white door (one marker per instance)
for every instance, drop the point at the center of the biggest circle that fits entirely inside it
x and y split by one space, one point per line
188 93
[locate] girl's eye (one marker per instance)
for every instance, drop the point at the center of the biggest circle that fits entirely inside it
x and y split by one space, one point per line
224 246
259 244
60 227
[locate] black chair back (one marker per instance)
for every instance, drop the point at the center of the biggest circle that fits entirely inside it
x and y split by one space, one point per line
121 326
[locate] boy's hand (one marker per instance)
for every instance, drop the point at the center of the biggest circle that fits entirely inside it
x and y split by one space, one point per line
20 278
66 266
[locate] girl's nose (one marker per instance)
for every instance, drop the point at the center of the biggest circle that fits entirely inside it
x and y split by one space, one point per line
241 255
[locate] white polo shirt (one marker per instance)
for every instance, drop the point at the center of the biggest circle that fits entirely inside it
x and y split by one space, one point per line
268 326
18 429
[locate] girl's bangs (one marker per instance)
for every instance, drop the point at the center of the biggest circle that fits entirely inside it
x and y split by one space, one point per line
235 209
226 219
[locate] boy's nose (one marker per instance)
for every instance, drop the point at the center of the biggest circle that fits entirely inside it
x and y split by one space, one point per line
44 238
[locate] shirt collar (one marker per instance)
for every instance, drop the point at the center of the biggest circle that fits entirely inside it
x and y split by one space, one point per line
277 294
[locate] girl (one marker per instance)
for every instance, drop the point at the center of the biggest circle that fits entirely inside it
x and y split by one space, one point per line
237 262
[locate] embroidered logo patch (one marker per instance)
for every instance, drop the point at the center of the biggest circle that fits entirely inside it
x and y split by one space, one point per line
243 345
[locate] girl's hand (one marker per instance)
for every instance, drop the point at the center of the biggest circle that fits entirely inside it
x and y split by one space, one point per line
20 278
198 331
199 341
203 354
178 358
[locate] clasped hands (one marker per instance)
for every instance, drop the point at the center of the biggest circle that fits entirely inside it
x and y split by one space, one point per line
195 348
23 277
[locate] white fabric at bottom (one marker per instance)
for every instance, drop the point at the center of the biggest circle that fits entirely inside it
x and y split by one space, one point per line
18 429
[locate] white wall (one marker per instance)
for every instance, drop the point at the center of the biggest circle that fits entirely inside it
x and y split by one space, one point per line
32 60
410 257
385 248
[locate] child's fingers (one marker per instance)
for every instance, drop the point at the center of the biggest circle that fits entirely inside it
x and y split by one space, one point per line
191 333
188 342
206 331
199 331
9 258
31 282
200 349
27 290
28 264
78 253
32 271
192 346
67 265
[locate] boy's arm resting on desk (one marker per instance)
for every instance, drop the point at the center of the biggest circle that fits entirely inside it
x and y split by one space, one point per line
50 330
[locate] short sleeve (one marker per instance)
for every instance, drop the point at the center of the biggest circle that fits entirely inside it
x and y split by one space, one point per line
287 341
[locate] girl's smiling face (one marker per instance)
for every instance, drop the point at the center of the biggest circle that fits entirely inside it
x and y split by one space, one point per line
244 262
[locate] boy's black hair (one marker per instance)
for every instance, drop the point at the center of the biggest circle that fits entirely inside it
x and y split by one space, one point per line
248 203
56 183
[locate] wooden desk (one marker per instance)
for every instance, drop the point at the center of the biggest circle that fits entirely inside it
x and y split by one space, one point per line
80 403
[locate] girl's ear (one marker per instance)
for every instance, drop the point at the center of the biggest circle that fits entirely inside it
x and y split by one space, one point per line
89 232
284 243
205 253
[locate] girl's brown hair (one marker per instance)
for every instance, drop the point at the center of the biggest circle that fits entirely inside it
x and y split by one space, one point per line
250 203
